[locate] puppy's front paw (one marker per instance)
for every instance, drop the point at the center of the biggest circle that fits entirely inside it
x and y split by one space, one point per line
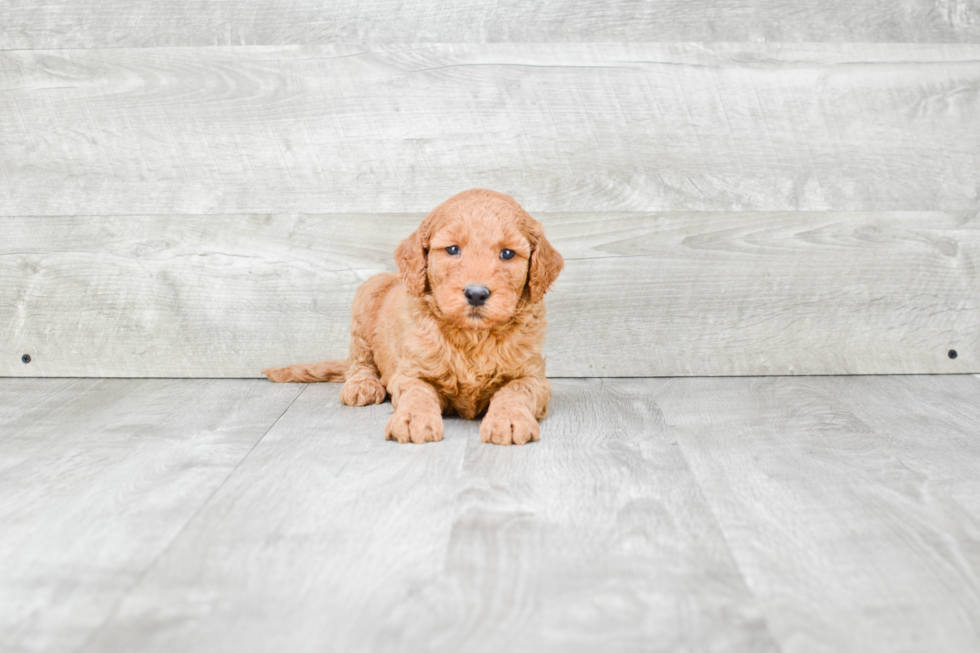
509 426
363 392
408 425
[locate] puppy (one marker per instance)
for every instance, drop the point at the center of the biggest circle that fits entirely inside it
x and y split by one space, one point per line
459 330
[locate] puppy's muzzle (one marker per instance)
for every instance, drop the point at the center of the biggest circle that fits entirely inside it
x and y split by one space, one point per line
476 295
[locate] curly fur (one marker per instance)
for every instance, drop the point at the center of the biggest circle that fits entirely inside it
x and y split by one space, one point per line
415 337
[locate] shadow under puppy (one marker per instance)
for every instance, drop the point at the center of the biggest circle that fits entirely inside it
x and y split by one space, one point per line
460 329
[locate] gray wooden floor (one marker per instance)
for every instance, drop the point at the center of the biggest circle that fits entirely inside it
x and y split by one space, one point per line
697 514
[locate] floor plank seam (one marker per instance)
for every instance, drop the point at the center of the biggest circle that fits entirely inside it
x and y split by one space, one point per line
777 645
177 536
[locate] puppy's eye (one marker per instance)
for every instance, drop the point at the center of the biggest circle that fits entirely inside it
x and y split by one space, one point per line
452 250
507 254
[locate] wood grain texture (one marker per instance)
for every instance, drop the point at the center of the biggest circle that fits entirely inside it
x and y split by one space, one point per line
155 23
97 480
329 538
851 504
326 528
657 294
563 127
789 514
594 539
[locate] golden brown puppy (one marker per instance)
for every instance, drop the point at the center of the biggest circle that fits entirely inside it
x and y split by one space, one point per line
459 330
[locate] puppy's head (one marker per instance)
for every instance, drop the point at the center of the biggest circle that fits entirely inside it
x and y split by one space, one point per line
479 255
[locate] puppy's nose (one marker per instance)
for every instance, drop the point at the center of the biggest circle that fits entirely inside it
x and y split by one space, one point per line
476 295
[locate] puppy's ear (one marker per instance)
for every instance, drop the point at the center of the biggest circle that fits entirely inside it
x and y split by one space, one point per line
410 256
545 263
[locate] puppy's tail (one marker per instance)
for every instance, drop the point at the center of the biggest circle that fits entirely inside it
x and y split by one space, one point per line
310 372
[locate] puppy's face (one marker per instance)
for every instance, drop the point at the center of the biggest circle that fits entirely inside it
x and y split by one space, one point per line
479 255
477 269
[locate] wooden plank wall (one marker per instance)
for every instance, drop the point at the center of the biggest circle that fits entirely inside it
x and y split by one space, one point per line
739 187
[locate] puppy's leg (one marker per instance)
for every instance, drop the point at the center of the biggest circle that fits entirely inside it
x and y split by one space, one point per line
363 386
514 411
418 411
